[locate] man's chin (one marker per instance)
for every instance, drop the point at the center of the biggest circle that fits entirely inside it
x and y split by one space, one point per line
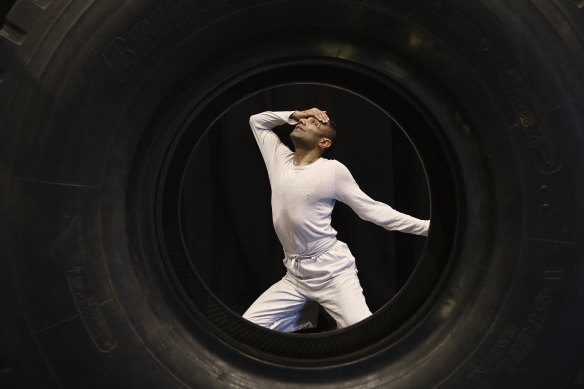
296 140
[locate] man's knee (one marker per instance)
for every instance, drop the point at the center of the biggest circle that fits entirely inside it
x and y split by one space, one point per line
257 319
353 317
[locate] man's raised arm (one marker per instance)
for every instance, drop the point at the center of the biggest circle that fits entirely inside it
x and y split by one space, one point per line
268 120
270 145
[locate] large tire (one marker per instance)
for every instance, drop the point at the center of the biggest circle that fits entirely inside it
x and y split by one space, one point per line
94 97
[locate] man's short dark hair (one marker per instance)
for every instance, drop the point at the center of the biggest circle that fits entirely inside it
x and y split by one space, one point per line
331 131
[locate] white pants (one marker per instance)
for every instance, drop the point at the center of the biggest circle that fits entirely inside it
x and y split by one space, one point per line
330 279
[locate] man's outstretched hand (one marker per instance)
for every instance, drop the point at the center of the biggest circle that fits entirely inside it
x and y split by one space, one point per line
316 113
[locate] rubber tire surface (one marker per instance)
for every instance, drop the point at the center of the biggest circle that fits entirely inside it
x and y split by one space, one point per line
80 82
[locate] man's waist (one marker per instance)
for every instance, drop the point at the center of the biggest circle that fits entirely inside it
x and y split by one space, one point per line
312 249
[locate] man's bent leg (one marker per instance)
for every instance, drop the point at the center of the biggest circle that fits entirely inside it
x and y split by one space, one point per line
282 308
343 299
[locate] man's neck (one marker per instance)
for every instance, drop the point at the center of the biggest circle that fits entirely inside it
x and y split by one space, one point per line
305 157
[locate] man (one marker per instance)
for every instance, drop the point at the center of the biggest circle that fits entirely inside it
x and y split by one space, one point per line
305 186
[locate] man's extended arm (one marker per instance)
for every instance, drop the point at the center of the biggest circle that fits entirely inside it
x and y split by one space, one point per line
377 212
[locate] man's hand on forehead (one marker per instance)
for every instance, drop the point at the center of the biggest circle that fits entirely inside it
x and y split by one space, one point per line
319 115
316 113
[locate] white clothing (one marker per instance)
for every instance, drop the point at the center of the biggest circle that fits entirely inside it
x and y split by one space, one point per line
303 198
330 279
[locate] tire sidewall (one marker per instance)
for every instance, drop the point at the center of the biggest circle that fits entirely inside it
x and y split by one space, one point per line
501 278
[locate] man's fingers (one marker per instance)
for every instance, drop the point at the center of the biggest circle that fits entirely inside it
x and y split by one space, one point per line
321 116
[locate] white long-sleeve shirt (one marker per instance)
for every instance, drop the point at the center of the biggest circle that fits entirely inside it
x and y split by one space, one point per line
303 197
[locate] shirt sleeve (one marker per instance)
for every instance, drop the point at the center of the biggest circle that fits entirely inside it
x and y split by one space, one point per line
271 148
347 191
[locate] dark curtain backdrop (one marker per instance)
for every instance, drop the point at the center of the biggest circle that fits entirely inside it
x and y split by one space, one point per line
226 210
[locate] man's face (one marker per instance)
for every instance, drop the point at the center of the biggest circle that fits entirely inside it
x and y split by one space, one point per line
308 133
